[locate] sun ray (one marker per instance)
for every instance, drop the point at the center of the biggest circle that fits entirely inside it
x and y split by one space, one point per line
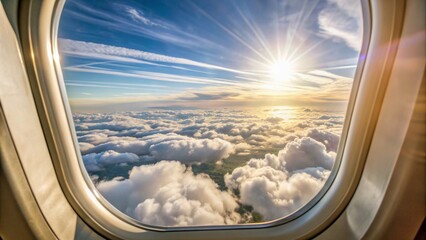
231 33
256 32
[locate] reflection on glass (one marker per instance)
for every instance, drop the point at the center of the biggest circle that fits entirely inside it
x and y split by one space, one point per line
209 112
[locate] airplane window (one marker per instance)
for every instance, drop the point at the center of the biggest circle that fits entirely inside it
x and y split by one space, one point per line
209 112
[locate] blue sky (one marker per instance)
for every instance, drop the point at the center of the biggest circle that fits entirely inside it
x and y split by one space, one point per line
128 55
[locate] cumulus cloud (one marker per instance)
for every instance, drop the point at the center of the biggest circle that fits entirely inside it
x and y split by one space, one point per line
98 138
329 139
211 134
122 146
85 147
256 139
194 150
169 194
281 141
278 185
274 119
97 161
93 138
114 125
243 146
161 147
187 149
304 153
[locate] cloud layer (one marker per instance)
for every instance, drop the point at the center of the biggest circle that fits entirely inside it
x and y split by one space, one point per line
294 148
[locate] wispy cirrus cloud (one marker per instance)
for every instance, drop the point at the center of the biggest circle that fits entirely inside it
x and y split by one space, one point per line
341 20
158 76
106 52
139 17
153 28
112 85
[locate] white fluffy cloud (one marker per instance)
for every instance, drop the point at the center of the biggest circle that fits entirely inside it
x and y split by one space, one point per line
113 122
187 149
99 138
85 147
162 147
305 153
274 119
330 140
278 185
97 161
169 194
194 150
122 146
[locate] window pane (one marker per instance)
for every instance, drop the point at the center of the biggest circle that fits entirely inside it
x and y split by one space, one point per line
209 112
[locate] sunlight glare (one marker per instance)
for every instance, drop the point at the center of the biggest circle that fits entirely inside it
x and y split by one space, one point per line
281 71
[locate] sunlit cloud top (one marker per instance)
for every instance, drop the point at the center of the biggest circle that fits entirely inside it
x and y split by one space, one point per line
128 55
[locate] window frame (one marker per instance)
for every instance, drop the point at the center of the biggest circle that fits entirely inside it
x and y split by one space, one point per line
307 222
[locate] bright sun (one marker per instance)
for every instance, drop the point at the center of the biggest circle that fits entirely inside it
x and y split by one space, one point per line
281 71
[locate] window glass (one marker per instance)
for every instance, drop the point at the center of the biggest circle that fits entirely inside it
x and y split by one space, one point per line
207 112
